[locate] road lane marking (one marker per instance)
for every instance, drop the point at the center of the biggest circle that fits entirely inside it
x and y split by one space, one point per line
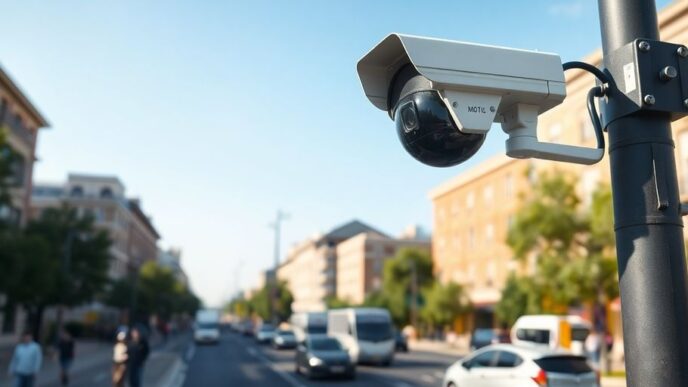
427 378
285 375
190 353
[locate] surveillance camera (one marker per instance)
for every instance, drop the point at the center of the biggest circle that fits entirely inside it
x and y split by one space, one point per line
444 96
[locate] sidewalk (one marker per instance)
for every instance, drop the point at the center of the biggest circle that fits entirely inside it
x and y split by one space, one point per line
162 367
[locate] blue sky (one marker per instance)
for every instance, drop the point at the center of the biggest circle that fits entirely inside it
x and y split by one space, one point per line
217 113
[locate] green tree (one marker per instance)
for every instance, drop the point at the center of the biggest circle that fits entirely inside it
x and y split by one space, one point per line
63 257
397 281
520 296
272 302
157 291
332 302
573 246
444 304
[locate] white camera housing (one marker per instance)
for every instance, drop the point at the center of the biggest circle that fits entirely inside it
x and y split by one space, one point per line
479 85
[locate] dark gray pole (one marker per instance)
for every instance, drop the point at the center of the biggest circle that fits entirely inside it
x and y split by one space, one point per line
648 224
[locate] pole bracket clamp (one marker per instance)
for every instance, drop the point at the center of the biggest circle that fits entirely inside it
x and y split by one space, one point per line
649 75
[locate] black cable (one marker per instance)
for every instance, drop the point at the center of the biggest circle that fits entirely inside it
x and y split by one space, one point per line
604 78
595 92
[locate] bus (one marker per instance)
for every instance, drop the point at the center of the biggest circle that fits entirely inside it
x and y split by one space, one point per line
366 333
310 323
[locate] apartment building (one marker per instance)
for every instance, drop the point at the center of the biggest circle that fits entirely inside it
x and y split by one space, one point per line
20 122
310 269
134 238
361 259
473 211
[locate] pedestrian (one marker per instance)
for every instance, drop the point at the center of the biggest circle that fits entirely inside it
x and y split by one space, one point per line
65 348
119 360
138 353
26 361
593 345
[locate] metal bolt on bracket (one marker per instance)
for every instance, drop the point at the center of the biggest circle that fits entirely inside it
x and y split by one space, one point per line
644 46
682 51
668 73
649 99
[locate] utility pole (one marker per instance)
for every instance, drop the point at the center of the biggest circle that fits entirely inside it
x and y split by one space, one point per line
647 211
277 226
273 287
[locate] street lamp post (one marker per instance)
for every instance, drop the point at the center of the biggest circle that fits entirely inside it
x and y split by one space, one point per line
647 210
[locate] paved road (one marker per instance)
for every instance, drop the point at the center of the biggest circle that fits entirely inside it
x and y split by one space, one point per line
239 361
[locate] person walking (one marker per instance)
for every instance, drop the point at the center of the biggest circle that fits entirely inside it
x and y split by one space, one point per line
65 349
138 350
26 361
119 360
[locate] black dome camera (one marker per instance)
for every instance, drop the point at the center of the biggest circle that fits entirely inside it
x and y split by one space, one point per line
424 125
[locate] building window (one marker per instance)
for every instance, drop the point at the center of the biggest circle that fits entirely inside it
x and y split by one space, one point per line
77 191
586 129
509 186
487 194
389 250
471 238
470 200
554 132
106 193
489 233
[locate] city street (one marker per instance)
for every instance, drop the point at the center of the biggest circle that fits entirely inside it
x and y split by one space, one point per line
239 361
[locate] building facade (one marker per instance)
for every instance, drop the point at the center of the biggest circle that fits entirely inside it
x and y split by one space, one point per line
134 238
310 269
172 259
361 259
20 122
472 212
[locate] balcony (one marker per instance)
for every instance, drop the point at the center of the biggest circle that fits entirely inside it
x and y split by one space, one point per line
17 128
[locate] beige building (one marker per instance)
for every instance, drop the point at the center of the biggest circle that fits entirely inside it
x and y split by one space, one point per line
310 269
472 212
20 122
360 262
134 238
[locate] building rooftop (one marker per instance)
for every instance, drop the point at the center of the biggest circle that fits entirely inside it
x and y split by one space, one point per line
7 82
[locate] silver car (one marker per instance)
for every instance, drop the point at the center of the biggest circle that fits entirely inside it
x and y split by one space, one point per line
506 365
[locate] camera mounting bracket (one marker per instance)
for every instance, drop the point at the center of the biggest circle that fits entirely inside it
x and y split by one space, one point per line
520 123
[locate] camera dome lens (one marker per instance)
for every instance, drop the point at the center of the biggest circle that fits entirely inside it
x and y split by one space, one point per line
409 117
427 131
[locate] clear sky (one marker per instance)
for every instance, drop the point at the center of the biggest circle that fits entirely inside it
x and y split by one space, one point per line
217 113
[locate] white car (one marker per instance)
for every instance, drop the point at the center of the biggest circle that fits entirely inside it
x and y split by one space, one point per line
506 365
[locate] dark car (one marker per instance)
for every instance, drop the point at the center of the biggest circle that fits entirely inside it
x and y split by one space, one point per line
284 339
321 356
400 342
482 337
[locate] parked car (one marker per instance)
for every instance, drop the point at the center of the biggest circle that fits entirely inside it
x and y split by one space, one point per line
284 339
246 328
506 365
401 343
319 356
265 333
482 337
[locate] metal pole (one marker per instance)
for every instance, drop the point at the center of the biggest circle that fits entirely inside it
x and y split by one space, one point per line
414 294
649 232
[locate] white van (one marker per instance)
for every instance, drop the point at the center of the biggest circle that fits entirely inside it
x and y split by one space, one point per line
304 324
207 326
365 333
567 332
